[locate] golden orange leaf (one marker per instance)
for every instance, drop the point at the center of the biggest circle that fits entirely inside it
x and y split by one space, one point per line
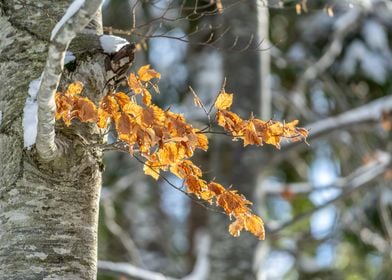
146 97
85 110
202 141
150 170
249 222
215 188
167 141
134 84
74 89
146 74
122 99
230 121
195 185
224 100
233 203
250 135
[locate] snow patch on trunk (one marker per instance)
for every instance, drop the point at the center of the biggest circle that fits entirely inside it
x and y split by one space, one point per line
30 114
72 9
1 116
69 56
112 44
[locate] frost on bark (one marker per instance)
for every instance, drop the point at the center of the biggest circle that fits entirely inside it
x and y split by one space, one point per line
48 210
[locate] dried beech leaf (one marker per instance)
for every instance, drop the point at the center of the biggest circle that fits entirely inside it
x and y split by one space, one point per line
146 74
224 100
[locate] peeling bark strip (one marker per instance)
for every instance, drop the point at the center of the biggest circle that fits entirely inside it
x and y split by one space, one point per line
48 210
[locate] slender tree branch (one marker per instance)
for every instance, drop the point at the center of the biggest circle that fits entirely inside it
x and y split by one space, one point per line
130 270
78 15
353 182
369 113
111 224
200 270
343 27
345 24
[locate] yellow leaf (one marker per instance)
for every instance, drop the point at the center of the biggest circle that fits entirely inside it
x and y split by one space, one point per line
230 121
202 141
216 188
146 97
233 203
74 88
237 226
254 224
122 99
149 169
224 100
249 222
134 84
250 135
133 109
146 74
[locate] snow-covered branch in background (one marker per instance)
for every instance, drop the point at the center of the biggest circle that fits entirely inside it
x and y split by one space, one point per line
368 113
343 26
78 15
200 270
130 270
353 182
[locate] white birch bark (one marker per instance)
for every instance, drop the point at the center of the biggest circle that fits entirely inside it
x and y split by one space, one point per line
48 210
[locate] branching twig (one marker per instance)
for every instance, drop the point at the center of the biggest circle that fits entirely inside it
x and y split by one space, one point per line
352 183
200 270
76 18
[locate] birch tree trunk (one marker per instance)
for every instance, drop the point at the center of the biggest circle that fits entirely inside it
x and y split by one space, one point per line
48 210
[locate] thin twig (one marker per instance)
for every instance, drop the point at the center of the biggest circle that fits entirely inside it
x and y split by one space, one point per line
353 183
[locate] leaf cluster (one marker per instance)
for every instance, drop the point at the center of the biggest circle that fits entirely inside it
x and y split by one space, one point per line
167 141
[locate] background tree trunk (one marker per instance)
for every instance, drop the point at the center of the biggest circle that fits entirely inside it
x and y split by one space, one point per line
231 257
48 211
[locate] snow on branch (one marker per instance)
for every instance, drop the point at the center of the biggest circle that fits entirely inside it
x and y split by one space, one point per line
130 270
355 181
78 15
112 44
368 113
200 270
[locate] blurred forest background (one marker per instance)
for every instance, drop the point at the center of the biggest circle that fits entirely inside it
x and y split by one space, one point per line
327 207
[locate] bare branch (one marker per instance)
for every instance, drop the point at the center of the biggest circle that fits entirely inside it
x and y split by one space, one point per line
111 224
202 267
369 113
200 270
343 27
130 270
352 183
78 15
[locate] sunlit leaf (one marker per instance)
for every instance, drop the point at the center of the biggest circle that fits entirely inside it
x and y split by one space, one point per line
224 100
146 74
